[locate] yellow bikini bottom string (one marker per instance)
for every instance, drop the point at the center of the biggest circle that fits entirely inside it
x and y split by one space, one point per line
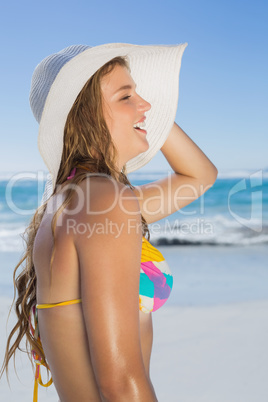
38 380
38 360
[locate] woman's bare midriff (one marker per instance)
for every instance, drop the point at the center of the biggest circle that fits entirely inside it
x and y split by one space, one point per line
62 329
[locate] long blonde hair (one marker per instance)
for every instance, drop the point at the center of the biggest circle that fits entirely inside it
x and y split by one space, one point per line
85 136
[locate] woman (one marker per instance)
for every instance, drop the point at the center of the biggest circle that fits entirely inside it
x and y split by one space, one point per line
91 276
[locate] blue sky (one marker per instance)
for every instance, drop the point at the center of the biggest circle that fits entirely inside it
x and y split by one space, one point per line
223 104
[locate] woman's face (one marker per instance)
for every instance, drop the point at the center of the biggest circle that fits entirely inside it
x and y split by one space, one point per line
123 108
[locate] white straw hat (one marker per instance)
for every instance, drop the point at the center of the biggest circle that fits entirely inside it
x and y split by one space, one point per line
59 78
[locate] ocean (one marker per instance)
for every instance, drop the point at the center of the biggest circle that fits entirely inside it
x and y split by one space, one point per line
233 212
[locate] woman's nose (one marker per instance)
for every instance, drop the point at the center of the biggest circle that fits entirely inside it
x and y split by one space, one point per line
144 105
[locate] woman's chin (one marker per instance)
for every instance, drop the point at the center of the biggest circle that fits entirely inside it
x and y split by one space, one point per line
144 147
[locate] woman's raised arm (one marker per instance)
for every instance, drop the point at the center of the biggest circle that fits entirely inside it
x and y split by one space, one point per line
109 257
193 175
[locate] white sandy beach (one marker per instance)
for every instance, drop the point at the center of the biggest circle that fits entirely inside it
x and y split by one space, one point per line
212 354
210 340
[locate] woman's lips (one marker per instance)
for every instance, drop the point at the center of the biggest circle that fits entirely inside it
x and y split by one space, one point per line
140 129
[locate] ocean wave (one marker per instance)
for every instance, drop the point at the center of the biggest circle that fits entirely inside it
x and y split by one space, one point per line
214 231
12 244
217 230
11 237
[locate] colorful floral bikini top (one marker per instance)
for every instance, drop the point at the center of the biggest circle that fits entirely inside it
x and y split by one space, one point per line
155 281
155 286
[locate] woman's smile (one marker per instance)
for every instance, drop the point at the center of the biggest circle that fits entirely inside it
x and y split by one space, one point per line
140 125
124 113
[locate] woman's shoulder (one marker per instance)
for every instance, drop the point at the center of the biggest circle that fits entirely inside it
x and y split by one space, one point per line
108 212
103 194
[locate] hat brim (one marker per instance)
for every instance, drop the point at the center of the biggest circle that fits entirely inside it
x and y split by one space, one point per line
155 70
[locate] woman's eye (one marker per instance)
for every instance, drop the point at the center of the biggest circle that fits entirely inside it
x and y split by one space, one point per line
126 97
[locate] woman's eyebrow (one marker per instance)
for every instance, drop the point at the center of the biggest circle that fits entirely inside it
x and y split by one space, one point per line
124 87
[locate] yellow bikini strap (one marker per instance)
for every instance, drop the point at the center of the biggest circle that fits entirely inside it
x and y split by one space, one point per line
65 303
